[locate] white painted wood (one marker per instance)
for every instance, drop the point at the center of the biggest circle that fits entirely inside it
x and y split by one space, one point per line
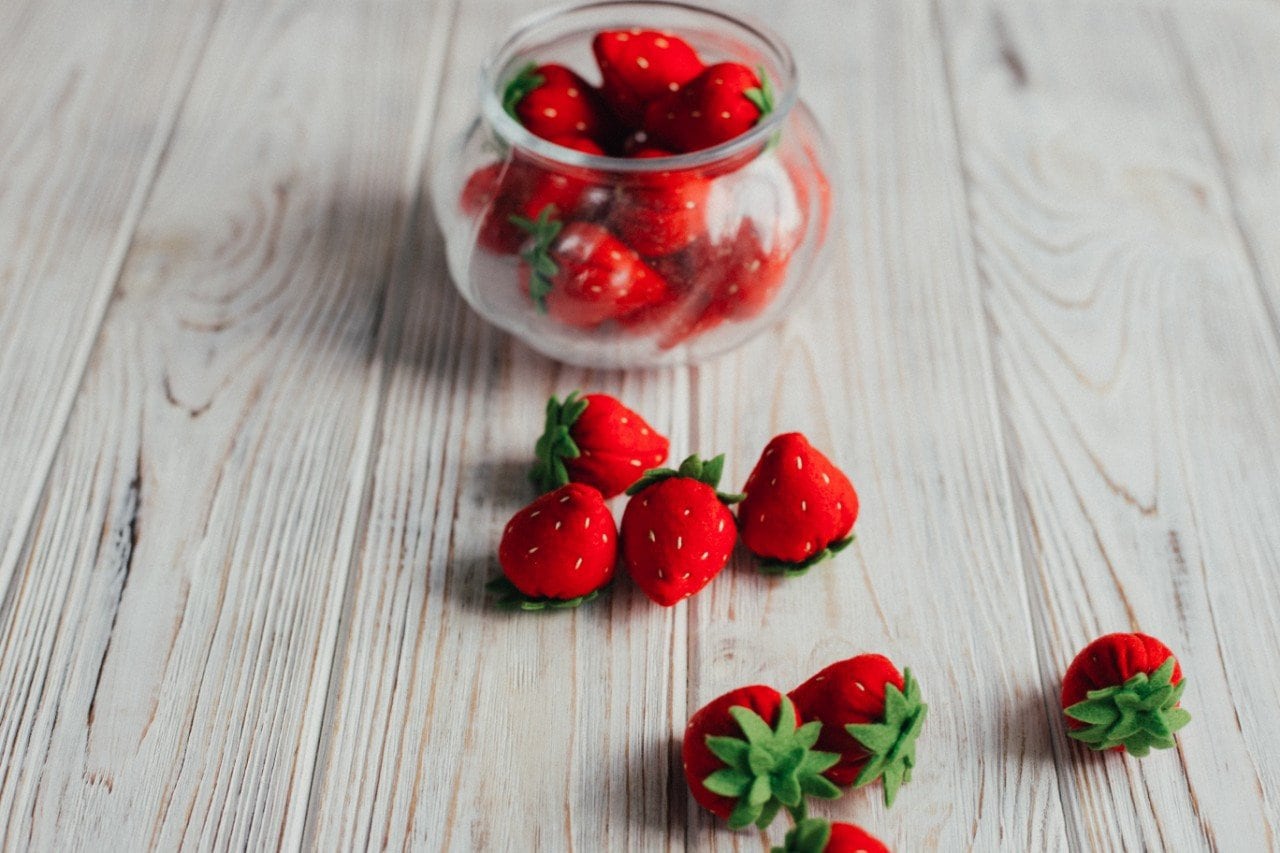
1139 382
76 163
887 369
453 726
247 609
165 648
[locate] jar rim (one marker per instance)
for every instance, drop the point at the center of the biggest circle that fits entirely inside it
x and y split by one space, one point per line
511 130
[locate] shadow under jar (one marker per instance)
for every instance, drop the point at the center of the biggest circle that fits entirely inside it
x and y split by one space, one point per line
758 207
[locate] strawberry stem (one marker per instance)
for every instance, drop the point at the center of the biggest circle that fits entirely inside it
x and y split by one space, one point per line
542 269
510 598
706 471
892 741
1139 715
526 80
556 443
809 835
781 568
761 96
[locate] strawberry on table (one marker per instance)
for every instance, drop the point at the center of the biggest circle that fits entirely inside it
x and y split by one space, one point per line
813 835
552 101
744 758
799 508
558 551
1122 692
595 440
639 66
724 101
677 531
581 275
871 715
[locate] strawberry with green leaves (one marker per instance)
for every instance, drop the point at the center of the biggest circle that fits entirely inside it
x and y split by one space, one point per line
799 508
595 440
745 759
813 835
871 715
677 530
581 275
558 551
723 102
639 66
1121 693
553 102
504 194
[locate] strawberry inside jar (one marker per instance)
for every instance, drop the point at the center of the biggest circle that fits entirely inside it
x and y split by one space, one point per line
639 194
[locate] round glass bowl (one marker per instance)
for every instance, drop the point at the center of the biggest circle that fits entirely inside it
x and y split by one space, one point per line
652 261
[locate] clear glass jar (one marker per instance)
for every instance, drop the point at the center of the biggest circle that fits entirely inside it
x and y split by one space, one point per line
762 206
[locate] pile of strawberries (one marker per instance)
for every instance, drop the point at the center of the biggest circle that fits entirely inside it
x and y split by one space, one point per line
665 253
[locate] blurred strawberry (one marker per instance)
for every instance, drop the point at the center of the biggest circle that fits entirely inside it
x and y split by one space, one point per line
639 66
552 101
723 102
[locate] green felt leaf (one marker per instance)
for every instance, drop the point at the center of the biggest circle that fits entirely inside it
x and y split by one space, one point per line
878 738
780 568
810 835
728 783
507 597
893 774
542 233
556 443
892 741
1139 715
730 750
770 767
525 81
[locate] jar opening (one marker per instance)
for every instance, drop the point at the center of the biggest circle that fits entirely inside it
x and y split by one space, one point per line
565 32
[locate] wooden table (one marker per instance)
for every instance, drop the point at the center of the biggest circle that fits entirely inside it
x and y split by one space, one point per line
256 453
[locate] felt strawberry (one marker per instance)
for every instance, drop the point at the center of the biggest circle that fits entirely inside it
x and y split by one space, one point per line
813 835
552 101
723 102
660 213
523 190
871 715
581 275
798 509
677 531
595 440
558 551
744 758
1121 692
639 66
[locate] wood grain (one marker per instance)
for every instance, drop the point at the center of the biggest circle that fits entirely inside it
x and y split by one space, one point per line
76 161
165 650
453 726
888 369
1138 379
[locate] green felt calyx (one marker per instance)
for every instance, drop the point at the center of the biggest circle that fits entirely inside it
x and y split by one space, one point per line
507 597
704 471
892 741
762 97
556 444
1139 715
542 232
781 568
769 768
526 80
807 836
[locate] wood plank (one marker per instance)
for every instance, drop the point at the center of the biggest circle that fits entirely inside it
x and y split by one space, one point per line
90 96
888 368
453 726
165 652
1139 381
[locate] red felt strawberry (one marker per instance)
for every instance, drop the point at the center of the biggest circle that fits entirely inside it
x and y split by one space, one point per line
554 102
581 275
744 758
595 440
558 551
813 835
660 213
677 532
871 715
799 507
639 66
1121 692
723 102
524 189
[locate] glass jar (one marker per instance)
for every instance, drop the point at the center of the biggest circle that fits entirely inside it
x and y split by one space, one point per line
632 281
